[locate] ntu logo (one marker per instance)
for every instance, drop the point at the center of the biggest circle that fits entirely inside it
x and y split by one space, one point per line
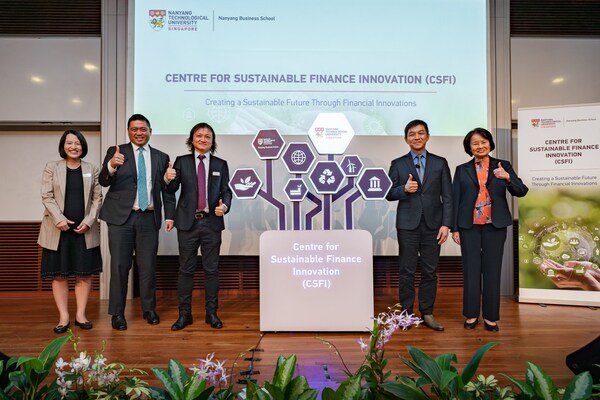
535 123
157 19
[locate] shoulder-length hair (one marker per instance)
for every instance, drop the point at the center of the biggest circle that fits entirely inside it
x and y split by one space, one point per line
63 139
479 131
190 140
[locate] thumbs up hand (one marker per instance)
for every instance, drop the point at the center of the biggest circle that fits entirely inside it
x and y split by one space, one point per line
501 173
220 209
170 173
411 185
117 159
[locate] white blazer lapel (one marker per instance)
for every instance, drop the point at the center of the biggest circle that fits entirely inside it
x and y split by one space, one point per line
61 174
88 177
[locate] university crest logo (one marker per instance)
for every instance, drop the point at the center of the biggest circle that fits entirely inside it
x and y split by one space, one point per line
157 19
535 122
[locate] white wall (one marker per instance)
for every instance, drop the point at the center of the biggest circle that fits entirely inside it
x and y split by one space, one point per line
50 79
554 71
24 155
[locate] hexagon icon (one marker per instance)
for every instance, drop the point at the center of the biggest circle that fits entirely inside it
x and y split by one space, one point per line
245 183
331 133
327 177
295 189
268 144
298 158
351 165
374 183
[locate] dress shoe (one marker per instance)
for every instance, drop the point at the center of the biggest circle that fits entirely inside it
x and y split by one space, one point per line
471 325
183 321
84 325
118 322
490 327
213 320
62 328
151 317
431 323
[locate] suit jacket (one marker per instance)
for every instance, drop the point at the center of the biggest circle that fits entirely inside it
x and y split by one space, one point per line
123 187
433 199
54 184
466 189
217 188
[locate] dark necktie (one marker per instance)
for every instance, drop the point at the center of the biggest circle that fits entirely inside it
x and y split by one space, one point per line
201 184
142 185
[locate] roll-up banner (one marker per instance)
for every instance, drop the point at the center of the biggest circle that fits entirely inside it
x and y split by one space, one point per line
559 219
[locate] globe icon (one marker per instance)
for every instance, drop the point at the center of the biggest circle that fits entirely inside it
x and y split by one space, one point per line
298 157
566 243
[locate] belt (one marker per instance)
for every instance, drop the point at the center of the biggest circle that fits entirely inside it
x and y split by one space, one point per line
201 214
139 211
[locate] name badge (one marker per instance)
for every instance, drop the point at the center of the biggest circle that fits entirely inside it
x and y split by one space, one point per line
216 173
87 175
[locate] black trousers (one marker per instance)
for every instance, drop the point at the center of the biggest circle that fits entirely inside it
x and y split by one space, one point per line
419 243
482 248
138 234
200 236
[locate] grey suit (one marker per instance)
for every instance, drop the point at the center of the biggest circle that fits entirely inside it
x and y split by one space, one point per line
204 233
130 231
419 217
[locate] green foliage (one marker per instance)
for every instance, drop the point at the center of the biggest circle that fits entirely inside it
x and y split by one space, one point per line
284 385
179 385
350 389
199 385
371 380
436 378
26 381
539 386
442 378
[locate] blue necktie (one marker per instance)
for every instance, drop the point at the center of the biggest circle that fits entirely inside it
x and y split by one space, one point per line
421 169
142 185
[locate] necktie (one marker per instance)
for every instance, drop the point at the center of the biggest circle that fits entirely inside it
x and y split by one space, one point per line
421 168
142 185
201 184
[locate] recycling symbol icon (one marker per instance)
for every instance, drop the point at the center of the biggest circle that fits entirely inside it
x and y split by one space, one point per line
327 177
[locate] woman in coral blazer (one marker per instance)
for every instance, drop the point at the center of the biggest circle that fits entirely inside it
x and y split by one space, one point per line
69 233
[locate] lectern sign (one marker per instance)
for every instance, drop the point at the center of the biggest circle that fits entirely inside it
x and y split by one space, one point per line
316 280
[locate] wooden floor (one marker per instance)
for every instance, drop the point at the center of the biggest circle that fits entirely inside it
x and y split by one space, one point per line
528 332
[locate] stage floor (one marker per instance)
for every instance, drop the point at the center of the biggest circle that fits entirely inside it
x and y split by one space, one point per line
528 332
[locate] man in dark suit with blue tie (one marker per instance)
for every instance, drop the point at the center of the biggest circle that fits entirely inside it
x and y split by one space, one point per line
132 209
422 186
204 199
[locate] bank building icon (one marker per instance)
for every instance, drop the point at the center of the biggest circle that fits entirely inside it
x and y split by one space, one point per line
374 184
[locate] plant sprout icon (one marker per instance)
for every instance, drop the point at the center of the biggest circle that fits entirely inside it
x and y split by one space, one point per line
552 242
244 184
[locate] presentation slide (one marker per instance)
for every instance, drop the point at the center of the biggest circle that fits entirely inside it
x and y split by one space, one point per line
243 66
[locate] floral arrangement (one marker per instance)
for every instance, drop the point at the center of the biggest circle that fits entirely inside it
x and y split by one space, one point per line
96 378
92 377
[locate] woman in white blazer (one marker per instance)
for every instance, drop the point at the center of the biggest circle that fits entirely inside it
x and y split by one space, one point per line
69 234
